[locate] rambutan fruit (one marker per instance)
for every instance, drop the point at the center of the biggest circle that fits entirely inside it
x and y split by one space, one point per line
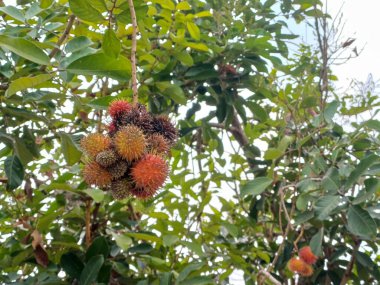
93 173
117 108
307 255
112 128
95 143
163 126
143 193
130 142
139 117
120 189
119 169
307 271
157 144
297 265
107 157
149 173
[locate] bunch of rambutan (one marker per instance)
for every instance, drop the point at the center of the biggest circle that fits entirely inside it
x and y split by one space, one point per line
303 264
131 159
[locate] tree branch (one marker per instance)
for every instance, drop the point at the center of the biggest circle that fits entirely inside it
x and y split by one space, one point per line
88 222
347 273
133 51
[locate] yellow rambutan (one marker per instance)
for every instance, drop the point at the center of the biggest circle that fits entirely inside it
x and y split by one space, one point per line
95 143
130 142
93 173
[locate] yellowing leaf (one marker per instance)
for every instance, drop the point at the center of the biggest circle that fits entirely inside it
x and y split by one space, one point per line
183 6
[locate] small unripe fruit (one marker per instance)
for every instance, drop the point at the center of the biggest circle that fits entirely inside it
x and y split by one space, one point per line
307 255
118 108
95 143
107 157
130 143
149 173
93 173
157 144
120 189
119 169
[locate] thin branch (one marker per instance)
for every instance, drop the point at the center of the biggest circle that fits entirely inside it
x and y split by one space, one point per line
267 275
88 222
61 39
133 51
347 273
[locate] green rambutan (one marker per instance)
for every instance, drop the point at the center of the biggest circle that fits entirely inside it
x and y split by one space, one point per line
119 169
130 142
163 126
107 157
157 144
95 143
120 189
117 108
93 173
149 173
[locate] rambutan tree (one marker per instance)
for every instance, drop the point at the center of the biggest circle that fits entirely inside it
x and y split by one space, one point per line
274 177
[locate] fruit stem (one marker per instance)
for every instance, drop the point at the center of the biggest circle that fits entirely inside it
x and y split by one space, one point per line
133 51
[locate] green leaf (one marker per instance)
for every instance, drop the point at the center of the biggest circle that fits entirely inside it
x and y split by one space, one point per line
372 185
316 242
330 111
199 280
25 49
194 247
194 31
111 44
256 186
102 65
70 150
325 205
13 12
169 240
144 236
166 278
187 270
14 171
98 246
184 5
123 241
72 265
23 83
360 169
331 180
91 270
77 44
273 153
360 223
196 46
84 11
184 57
104 274
96 194
175 93
44 222
22 151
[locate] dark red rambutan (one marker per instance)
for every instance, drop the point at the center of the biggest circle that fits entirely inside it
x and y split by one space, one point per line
118 108
157 144
149 173
138 116
163 126
142 193
112 128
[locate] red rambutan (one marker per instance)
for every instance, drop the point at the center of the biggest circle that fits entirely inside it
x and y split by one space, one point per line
296 265
93 173
307 271
130 142
149 173
118 108
307 255
157 144
95 143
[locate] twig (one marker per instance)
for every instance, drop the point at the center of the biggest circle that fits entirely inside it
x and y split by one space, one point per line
88 222
267 275
347 273
61 39
133 51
